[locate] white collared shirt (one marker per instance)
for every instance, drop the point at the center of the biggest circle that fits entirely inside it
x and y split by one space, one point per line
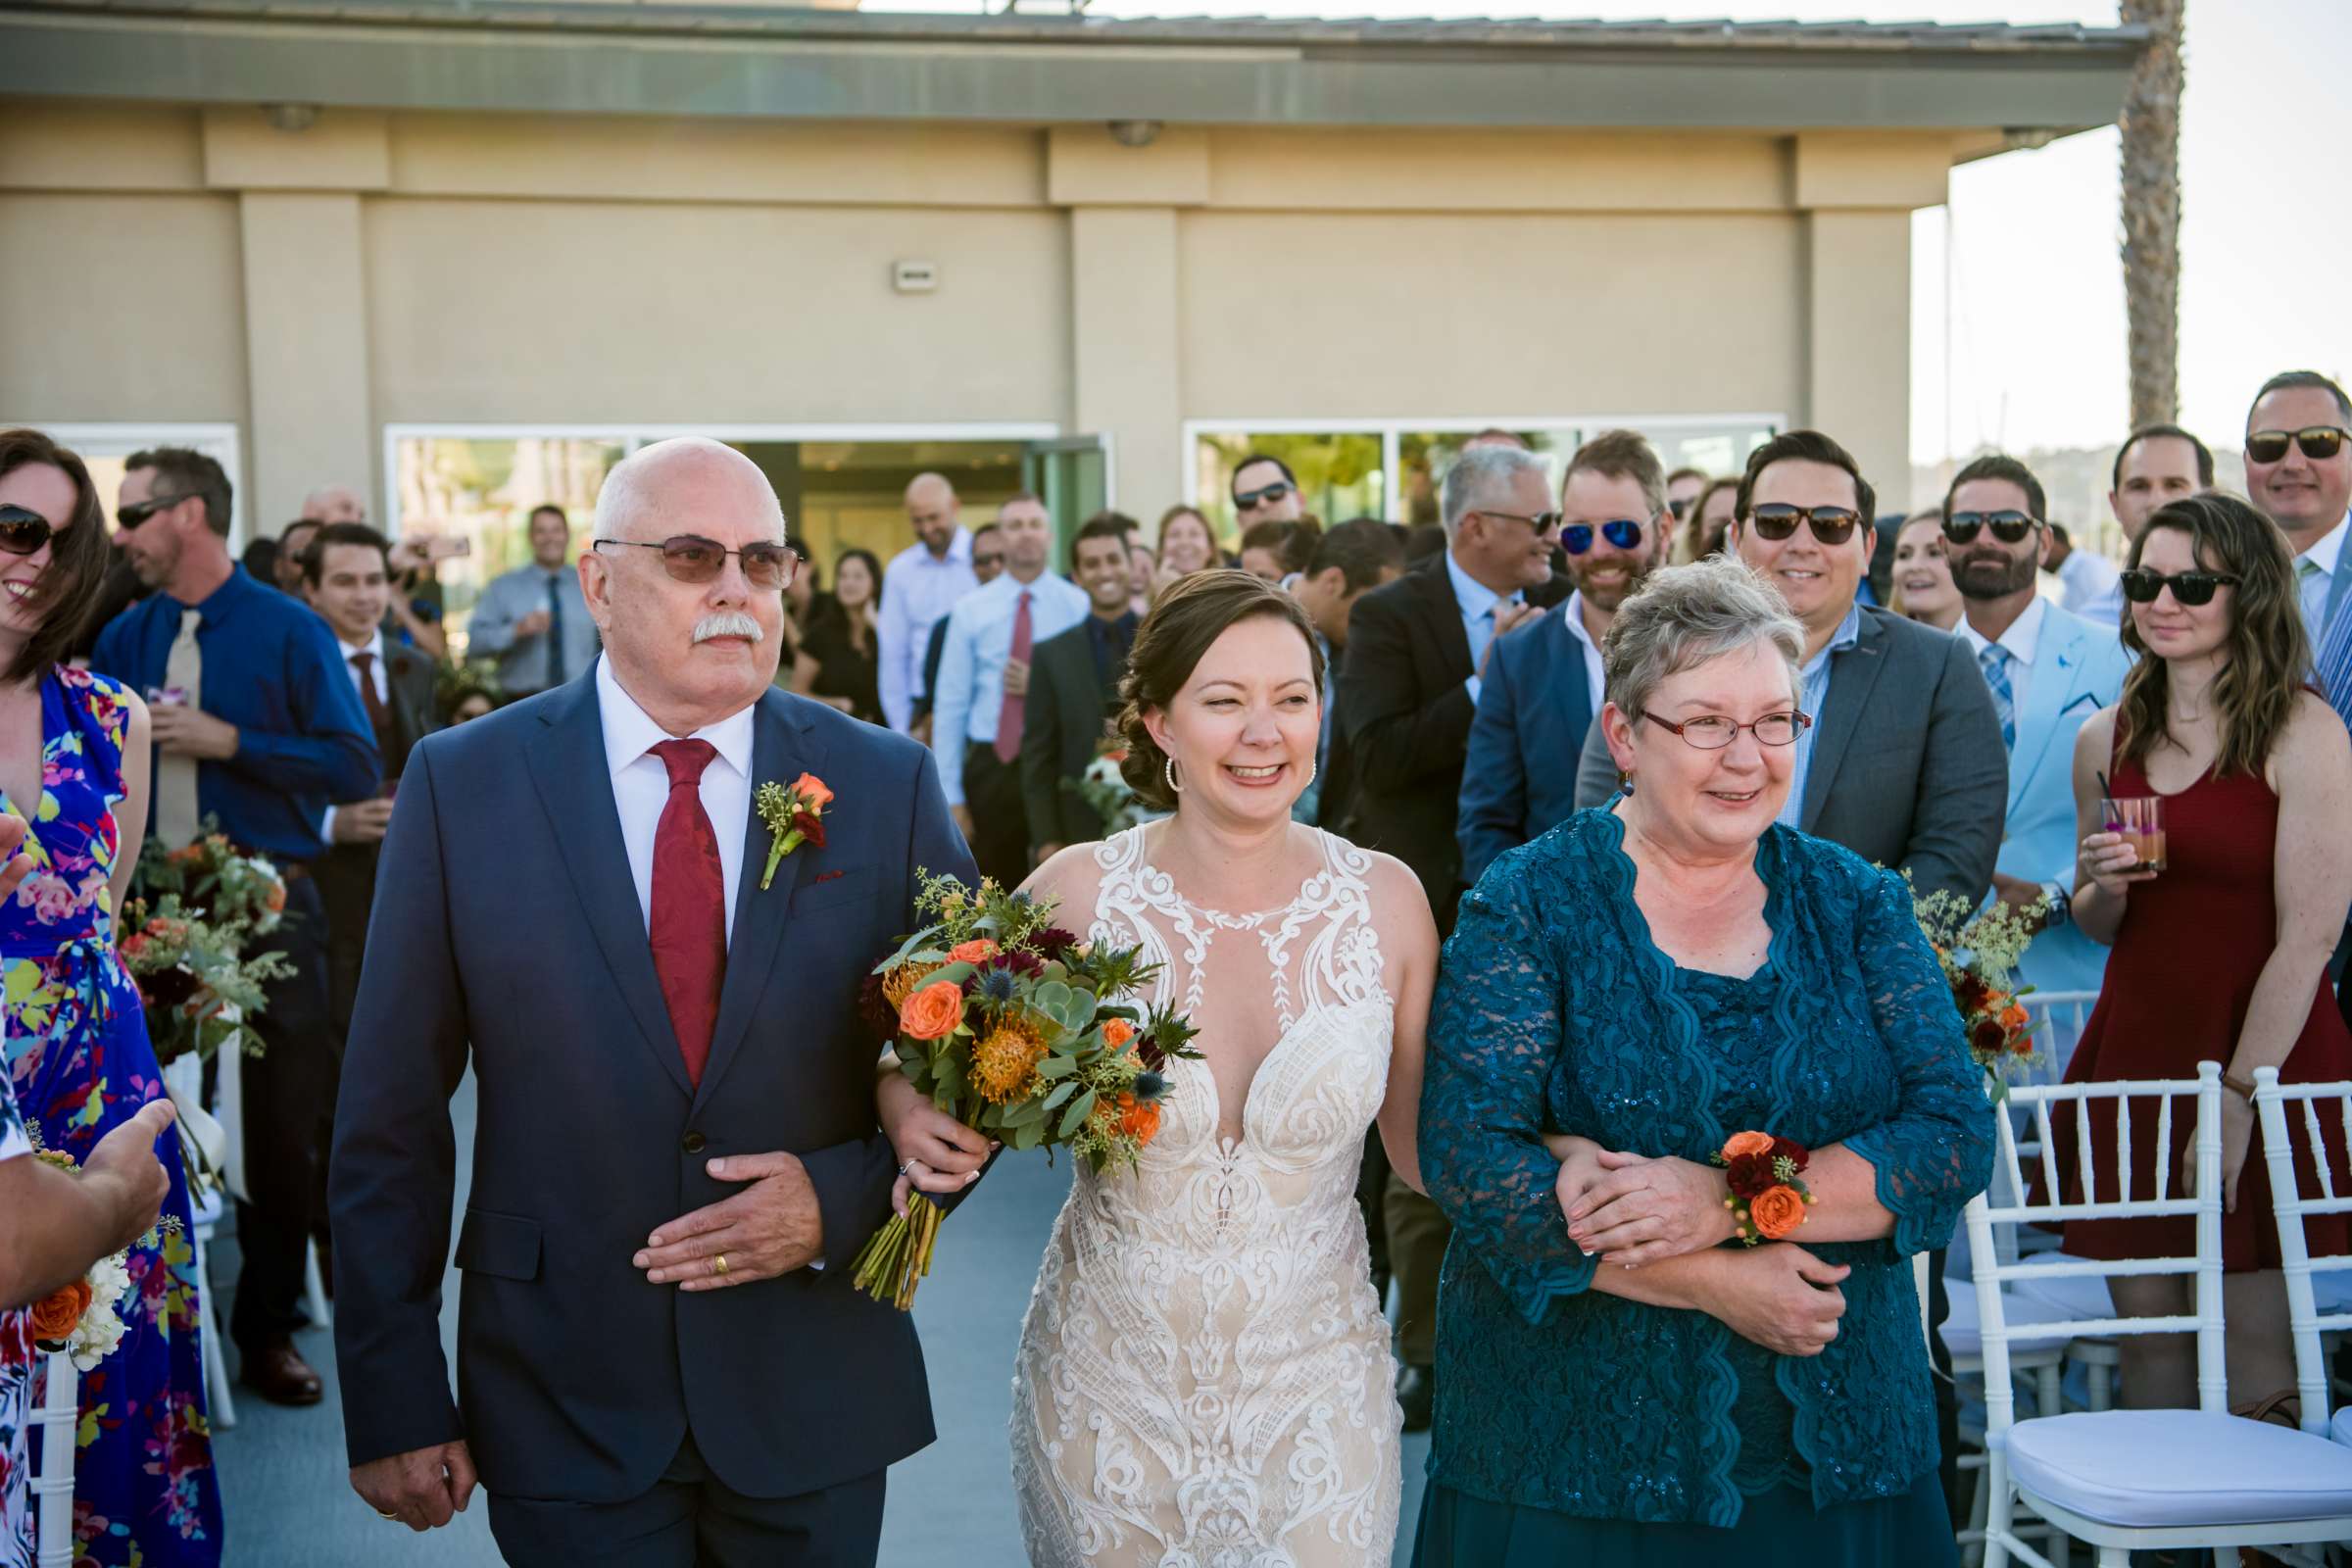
2021 641
383 680
1595 678
2316 579
917 589
641 786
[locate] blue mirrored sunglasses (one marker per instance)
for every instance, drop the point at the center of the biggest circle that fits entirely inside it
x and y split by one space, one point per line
1623 532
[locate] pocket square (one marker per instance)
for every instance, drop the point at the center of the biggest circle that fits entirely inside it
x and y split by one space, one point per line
825 876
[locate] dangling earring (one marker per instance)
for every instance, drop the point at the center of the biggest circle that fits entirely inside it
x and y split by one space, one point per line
1624 782
1168 770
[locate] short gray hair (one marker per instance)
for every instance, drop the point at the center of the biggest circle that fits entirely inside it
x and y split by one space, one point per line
1685 616
1479 473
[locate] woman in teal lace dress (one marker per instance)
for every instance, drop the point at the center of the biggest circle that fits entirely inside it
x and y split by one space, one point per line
1620 1382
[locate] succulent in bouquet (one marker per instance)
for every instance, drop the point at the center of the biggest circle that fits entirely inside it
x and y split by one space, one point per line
1020 1031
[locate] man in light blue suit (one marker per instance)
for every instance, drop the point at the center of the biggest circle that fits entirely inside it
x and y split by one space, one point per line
1543 686
2049 670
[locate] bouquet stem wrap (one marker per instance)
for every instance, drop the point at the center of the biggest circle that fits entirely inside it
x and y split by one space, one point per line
896 1258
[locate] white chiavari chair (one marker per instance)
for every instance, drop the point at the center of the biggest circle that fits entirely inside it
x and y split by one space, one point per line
2317 1287
57 1420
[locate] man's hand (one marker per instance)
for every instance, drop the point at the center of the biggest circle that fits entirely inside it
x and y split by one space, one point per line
364 822
2020 895
181 730
532 624
13 868
964 821
423 1489
1016 677
125 1162
772 1227
1507 617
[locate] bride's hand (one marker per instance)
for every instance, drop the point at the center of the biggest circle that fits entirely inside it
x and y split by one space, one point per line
937 1154
1647 1210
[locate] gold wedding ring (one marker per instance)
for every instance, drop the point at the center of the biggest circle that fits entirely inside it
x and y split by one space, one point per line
380 1514
719 1265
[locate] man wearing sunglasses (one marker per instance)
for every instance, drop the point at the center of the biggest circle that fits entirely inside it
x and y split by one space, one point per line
678 1148
532 619
258 729
2047 671
2299 472
1543 682
1264 490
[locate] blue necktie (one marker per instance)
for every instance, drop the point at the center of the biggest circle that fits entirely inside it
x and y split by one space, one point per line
2333 666
555 630
1994 660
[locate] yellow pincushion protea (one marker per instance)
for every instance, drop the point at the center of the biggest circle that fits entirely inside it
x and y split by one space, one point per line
1005 1062
902 982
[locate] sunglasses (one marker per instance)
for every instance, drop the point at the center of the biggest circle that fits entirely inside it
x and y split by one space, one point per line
2319 443
22 531
139 511
2142 586
1623 532
2008 527
690 558
1263 496
1776 520
1544 522
1681 509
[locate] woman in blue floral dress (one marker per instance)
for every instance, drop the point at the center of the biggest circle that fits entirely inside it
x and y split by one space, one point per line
78 1053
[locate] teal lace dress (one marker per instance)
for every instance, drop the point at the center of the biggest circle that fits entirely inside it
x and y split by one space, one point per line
1574 1426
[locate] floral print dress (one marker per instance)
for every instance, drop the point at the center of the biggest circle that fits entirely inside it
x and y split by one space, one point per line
144 1493
16 1379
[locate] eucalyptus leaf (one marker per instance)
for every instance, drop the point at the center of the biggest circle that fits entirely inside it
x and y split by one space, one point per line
906 948
1075 1117
1022 1115
1061 1094
1056 1067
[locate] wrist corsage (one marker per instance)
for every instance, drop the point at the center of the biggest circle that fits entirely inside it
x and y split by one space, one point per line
1766 1176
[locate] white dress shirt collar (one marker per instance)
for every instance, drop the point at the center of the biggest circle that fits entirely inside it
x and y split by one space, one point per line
640 785
1596 678
630 731
373 645
2021 640
2328 549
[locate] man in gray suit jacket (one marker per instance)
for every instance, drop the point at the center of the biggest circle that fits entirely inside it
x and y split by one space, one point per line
1904 763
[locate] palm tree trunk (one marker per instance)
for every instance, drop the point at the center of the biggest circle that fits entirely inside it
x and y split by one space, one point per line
2151 190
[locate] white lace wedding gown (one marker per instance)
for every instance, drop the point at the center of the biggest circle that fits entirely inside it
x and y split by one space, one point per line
1204 1378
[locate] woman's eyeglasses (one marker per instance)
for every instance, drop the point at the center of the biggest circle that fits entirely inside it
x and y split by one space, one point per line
22 531
2319 443
2191 588
1961 527
1712 733
1776 520
690 558
1623 532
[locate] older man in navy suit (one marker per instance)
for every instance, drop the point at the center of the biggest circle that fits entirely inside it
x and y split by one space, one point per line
1543 685
661 1358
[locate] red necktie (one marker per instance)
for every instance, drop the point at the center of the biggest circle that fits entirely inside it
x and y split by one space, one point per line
690 914
379 717
1008 717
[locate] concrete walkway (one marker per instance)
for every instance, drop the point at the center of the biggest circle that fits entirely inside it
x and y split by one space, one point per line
288 1501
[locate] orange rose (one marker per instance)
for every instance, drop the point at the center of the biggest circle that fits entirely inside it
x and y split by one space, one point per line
2014 1017
933 1012
1140 1122
811 790
1118 1032
54 1318
1746 1143
977 951
1775 1211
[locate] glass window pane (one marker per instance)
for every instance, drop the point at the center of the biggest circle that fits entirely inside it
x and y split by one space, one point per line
1424 456
1338 474
1717 451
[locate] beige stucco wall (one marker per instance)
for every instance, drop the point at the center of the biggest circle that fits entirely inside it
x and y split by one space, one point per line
544 271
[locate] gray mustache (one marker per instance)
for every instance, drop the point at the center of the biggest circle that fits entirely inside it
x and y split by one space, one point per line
729 624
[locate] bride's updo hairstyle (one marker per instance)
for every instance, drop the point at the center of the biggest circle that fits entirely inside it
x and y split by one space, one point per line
1185 622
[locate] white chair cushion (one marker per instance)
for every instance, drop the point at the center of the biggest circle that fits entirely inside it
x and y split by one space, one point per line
2159 1469
2340 1427
2083 1296
1964 1337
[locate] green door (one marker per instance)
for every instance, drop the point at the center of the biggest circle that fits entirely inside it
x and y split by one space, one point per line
1071 474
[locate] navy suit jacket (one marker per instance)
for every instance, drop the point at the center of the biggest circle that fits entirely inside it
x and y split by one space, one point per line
1534 708
507 927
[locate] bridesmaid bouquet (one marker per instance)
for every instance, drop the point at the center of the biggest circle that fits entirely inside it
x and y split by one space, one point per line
83 1321
1022 1032
1979 954
186 942
1105 790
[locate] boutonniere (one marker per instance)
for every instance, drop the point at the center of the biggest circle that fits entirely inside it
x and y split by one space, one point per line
795 817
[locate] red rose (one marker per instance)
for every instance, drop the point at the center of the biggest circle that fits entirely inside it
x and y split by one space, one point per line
1987 1037
808 827
1749 1174
1788 1148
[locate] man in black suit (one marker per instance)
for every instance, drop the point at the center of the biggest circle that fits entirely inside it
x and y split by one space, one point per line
1415 652
1350 562
1073 685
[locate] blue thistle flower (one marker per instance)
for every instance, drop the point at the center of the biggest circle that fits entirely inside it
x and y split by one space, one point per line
997 986
1149 1086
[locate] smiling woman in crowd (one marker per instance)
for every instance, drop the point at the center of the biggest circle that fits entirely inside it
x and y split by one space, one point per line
1924 590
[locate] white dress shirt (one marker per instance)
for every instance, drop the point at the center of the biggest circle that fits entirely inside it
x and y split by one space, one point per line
1595 676
383 693
971 666
641 786
2315 578
917 589
2090 586
2021 640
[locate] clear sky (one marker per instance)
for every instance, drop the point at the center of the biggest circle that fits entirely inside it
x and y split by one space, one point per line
2036 301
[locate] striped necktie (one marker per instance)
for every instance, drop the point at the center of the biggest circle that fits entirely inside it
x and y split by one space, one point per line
1994 660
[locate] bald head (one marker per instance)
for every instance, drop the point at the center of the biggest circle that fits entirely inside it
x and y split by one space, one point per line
334 503
932 508
671 487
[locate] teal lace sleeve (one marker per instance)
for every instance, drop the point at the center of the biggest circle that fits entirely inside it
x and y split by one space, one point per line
1494 1034
1936 1151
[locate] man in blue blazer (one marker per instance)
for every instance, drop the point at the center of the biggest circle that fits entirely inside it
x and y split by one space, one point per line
2047 671
1543 685
660 1355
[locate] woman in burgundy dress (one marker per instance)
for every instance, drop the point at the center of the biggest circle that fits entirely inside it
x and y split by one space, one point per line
2222 954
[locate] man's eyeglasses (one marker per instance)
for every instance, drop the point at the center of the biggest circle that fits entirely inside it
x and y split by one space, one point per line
2319 443
2190 588
139 511
690 558
1713 733
2009 527
1776 520
22 531
1544 522
1263 496
1682 508
1623 532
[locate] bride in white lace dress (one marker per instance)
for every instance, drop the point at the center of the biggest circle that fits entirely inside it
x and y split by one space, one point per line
1204 1378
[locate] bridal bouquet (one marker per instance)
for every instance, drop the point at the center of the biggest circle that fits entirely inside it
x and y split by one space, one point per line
186 943
1018 1030
1979 953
